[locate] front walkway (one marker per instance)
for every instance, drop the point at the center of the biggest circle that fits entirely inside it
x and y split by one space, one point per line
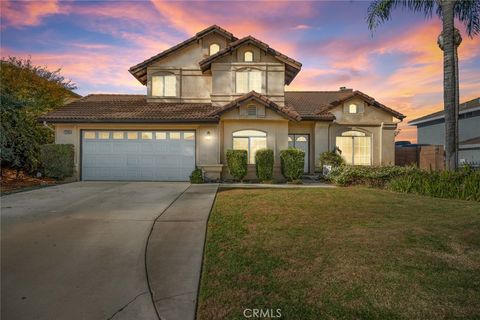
175 251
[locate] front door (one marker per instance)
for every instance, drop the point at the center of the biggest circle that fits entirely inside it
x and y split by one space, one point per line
301 141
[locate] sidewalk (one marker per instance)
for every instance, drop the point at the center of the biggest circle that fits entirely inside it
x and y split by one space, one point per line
175 251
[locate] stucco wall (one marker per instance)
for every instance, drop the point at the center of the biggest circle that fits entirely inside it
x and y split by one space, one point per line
207 150
370 115
435 134
217 85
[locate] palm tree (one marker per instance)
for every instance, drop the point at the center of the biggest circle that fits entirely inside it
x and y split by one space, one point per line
468 13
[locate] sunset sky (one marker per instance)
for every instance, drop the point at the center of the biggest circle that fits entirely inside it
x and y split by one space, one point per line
96 42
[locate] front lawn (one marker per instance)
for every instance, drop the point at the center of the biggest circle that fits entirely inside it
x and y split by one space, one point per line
345 253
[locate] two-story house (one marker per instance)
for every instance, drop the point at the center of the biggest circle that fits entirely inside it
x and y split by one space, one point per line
211 93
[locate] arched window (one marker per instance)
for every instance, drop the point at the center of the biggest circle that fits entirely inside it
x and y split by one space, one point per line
250 140
164 85
214 48
248 80
248 56
352 108
355 147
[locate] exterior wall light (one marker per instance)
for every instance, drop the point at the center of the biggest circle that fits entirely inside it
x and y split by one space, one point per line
209 136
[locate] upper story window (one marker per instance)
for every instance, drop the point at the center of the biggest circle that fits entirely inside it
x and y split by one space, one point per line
352 108
248 56
214 48
164 85
248 80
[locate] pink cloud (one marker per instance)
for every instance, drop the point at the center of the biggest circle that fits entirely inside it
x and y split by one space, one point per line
28 13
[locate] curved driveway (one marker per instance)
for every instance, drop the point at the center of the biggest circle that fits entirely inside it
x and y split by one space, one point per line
77 251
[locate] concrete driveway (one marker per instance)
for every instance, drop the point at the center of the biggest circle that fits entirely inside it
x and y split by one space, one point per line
77 251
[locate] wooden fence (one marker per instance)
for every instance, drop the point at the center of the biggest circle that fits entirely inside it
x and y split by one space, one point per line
425 157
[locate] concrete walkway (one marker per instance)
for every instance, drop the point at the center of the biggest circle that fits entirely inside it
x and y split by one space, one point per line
275 186
175 251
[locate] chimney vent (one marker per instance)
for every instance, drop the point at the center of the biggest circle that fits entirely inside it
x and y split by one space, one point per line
345 89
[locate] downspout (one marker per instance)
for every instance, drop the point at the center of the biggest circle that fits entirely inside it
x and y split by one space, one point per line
47 126
381 143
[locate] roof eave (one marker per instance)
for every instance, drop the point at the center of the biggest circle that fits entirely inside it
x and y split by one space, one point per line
73 120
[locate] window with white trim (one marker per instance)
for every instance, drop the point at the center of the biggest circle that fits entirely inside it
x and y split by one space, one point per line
355 147
164 85
250 140
214 48
248 80
248 56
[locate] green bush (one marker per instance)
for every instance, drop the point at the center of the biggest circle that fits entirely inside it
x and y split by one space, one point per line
264 164
330 158
196 176
57 160
292 163
462 184
237 163
345 175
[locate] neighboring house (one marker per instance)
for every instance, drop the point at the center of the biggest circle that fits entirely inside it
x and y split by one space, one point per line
431 130
211 93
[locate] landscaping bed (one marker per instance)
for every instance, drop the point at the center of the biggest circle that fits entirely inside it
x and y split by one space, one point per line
12 183
342 253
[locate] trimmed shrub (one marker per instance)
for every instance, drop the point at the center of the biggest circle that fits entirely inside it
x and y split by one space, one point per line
57 160
237 162
329 158
196 176
292 163
264 164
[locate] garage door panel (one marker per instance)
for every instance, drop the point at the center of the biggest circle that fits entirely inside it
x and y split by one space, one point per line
138 155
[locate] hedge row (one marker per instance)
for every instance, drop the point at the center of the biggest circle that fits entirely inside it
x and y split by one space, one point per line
291 161
462 184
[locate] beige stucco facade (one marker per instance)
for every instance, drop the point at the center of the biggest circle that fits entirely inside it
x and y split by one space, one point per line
217 86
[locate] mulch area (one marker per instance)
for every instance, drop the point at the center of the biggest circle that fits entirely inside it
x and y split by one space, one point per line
10 182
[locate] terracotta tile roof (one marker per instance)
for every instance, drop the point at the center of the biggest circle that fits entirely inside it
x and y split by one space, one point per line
139 70
463 107
287 112
314 104
292 69
129 108
299 105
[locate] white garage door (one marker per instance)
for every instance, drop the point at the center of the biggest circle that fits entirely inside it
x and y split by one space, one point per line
138 155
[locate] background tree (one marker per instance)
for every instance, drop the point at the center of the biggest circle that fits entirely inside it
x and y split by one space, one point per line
26 92
468 13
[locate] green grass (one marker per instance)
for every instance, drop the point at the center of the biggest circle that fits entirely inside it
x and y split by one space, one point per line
346 253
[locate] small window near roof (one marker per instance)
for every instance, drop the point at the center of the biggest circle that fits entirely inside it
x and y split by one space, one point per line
252 110
353 108
214 48
248 56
